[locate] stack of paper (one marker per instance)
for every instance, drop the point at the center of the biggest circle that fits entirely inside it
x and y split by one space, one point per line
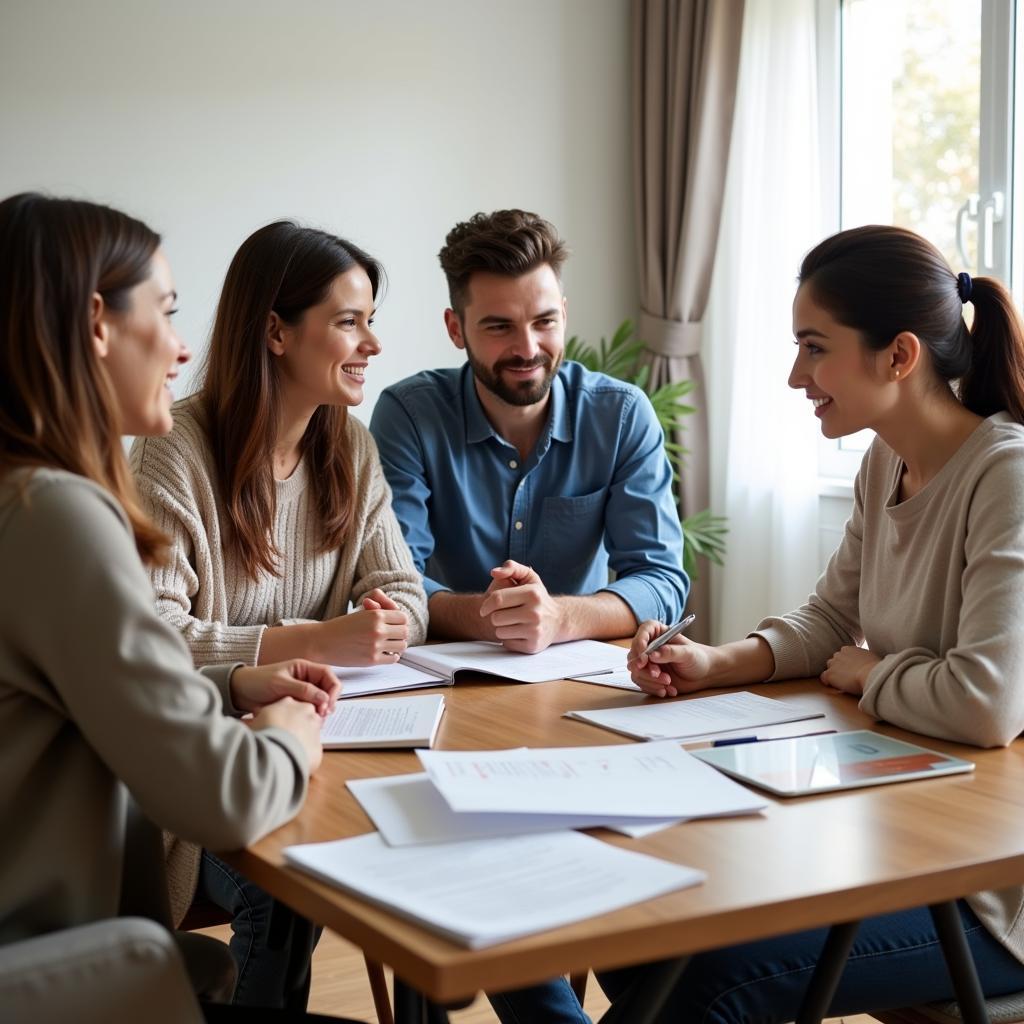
408 810
395 722
690 719
474 794
483 892
654 780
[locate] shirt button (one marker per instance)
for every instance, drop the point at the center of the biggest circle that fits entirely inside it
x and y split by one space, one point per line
512 464
519 524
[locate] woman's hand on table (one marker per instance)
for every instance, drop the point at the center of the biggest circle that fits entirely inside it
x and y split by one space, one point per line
848 669
376 634
256 686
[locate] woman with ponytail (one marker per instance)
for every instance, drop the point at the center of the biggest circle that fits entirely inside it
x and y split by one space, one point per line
919 613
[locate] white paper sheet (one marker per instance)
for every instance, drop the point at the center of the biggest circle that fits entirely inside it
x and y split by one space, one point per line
392 722
620 679
485 891
650 780
689 719
408 810
578 657
360 682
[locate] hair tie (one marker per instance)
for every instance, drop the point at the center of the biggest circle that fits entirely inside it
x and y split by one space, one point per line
964 286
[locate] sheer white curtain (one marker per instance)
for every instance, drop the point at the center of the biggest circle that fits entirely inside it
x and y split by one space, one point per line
764 434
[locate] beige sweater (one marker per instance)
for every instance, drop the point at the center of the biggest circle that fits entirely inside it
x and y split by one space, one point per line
98 697
222 612
935 586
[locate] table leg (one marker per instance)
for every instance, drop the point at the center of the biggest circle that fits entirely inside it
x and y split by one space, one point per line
643 1000
959 963
829 969
412 1007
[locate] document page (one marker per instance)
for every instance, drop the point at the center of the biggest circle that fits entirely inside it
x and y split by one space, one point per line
485 891
687 719
392 722
652 780
578 657
408 809
620 679
359 682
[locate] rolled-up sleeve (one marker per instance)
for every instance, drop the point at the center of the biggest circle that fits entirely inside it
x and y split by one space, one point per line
642 532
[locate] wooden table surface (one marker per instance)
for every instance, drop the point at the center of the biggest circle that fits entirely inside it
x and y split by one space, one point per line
804 862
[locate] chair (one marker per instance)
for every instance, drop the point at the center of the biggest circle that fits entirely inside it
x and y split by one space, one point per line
1001 1010
118 970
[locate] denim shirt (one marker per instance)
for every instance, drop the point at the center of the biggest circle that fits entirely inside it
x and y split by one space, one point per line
594 494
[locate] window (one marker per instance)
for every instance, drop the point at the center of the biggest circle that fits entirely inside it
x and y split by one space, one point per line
917 129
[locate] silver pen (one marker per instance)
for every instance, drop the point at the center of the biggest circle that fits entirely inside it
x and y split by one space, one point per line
669 633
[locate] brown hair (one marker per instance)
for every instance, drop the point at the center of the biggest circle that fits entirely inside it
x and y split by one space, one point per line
57 404
284 269
882 280
508 242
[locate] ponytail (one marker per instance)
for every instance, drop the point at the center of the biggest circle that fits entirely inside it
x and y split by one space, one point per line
995 380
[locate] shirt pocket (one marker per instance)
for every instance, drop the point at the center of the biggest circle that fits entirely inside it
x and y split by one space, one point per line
572 530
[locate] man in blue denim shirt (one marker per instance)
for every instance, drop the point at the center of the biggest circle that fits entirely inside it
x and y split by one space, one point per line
520 480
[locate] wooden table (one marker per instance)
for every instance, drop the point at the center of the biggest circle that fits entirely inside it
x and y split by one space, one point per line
806 862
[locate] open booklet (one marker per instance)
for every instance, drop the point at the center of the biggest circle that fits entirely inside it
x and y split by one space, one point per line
441 665
485 891
394 722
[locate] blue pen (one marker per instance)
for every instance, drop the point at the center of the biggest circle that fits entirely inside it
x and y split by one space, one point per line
734 741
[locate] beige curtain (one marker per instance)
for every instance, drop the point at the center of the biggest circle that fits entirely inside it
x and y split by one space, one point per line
686 62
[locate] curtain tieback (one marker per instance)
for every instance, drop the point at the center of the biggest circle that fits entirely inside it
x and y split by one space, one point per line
673 338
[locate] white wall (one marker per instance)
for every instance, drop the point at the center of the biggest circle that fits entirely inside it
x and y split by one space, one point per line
382 120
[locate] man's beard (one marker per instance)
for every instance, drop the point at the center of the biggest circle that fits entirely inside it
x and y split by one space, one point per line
520 392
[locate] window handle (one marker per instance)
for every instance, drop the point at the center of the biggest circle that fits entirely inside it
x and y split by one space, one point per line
969 211
993 210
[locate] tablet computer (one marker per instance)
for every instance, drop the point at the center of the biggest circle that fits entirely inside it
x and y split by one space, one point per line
820 764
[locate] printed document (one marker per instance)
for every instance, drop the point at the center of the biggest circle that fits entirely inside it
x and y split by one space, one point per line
408 810
392 722
650 780
620 679
485 891
697 717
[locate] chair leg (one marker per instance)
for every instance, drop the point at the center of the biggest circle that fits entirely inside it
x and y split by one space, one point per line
379 989
578 983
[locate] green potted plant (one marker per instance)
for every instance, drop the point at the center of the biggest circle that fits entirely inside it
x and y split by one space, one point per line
703 532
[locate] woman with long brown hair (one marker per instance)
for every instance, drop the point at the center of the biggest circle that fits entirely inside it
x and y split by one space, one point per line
279 516
918 614
98 695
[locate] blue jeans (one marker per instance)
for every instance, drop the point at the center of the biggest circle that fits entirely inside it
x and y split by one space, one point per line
896 960
552 1002
271 945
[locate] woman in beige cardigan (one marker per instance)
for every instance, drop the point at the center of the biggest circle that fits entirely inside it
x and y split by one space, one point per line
280 520
929 577
98 695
